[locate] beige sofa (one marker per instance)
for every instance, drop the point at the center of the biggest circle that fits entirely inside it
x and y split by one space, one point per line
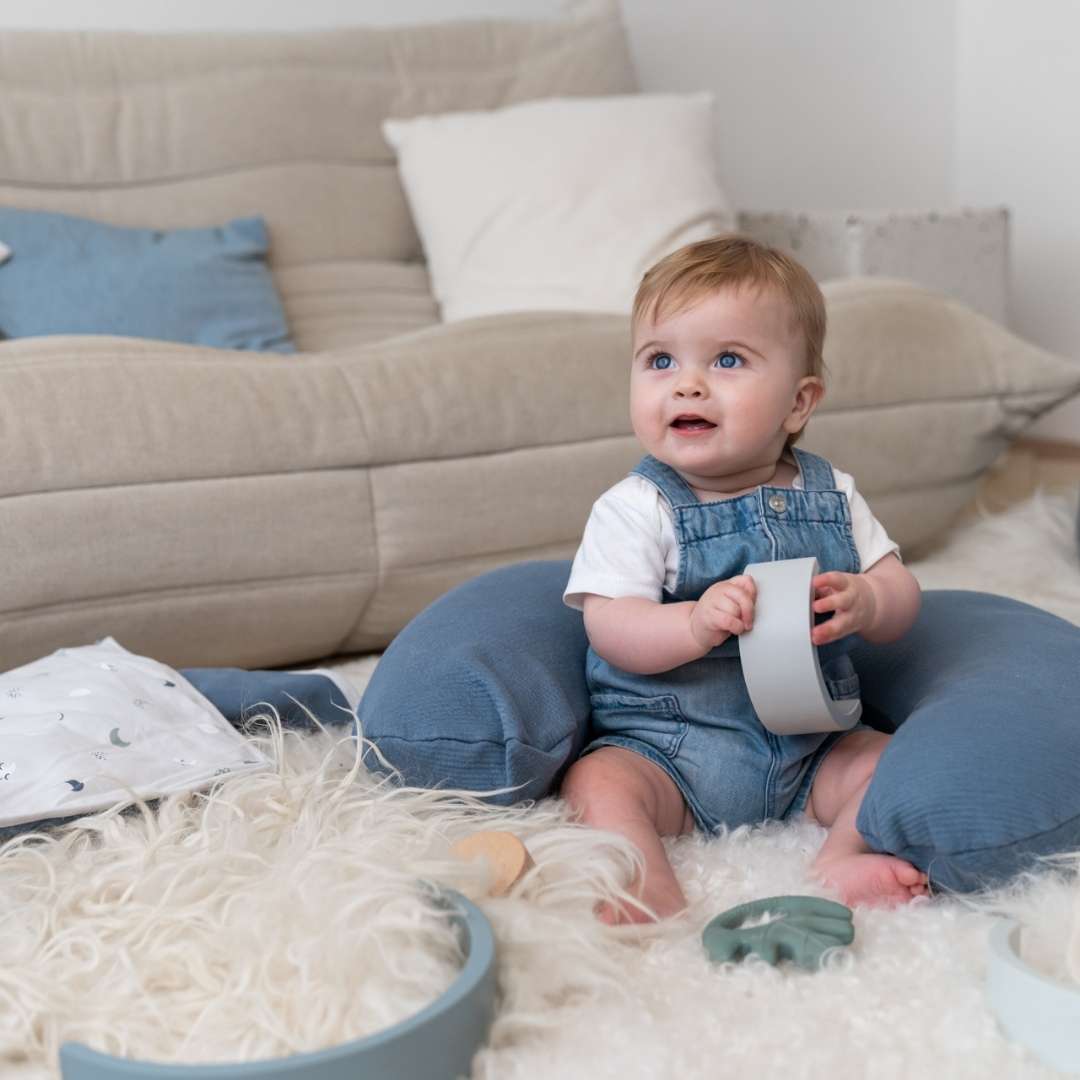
211 507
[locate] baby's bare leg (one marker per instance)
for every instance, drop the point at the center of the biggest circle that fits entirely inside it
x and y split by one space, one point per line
845 861
613 788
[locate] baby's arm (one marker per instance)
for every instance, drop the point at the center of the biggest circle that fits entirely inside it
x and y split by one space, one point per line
647 637
880 604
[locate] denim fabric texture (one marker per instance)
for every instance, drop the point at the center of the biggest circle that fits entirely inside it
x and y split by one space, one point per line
697 721
70 275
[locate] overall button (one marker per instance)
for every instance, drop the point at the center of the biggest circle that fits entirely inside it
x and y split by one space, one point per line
777 503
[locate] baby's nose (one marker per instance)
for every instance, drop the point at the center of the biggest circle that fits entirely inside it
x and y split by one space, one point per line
689 388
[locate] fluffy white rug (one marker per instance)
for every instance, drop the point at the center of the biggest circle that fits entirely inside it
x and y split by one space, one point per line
279 913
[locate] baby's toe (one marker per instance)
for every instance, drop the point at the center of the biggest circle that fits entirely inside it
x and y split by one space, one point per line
907 874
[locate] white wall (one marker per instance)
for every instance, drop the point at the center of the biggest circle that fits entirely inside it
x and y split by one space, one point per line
839 104
1017 128
850 112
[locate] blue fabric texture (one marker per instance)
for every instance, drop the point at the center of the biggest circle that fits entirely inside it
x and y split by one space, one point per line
486 688
68 275
296 695
980 778
696 722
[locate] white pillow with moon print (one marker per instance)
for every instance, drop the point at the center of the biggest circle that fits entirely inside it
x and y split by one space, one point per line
87 728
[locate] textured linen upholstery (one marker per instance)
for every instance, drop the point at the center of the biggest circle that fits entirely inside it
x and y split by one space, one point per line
486 689
171 131
297 508
923 396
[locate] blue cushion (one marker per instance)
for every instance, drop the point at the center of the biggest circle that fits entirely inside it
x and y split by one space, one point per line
67 275
295 695
981 776
485 689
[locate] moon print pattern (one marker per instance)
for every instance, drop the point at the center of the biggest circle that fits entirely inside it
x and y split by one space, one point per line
90 725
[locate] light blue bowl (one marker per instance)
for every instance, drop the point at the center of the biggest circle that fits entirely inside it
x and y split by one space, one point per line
1031 1007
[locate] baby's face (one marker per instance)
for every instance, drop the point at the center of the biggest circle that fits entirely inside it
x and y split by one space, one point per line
713 387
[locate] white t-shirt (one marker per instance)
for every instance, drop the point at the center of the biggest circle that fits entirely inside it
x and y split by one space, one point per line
629 546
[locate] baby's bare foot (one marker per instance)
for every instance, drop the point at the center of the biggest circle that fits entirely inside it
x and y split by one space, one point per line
873 880
616 914
658 893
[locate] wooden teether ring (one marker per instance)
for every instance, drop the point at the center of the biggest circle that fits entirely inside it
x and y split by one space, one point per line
507 856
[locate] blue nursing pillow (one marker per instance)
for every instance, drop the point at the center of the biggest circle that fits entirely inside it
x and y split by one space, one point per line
485 689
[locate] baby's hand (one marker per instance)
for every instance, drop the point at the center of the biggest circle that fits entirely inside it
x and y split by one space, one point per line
852 600
724 609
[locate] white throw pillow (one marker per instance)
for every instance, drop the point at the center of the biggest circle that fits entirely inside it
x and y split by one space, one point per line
558 204
85 728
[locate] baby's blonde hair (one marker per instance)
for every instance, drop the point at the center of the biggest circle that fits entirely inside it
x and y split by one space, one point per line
682 278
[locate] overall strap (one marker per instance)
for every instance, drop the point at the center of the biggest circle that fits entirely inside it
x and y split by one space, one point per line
672 486
817 473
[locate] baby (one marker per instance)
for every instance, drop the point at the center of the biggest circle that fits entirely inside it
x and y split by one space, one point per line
727 369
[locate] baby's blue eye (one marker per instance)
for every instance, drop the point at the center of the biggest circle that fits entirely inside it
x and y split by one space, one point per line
730 360
661 361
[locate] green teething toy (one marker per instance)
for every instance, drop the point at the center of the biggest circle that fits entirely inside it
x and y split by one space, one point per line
802 930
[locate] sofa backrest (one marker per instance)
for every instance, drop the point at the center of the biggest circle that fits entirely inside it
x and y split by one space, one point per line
191 129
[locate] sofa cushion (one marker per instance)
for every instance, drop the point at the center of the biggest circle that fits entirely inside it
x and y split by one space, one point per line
377 478
69 275
337 304
527 207
923 395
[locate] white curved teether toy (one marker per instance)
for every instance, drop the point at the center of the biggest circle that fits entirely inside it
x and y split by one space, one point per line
780 662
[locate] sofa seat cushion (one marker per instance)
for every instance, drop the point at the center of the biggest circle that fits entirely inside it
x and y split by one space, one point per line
923 395
303 506
337 304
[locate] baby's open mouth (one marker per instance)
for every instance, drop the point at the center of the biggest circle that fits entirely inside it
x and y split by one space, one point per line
691 423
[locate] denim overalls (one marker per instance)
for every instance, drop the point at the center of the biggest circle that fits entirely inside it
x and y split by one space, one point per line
696 721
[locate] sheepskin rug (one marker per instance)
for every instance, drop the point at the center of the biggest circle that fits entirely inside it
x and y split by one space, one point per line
280 912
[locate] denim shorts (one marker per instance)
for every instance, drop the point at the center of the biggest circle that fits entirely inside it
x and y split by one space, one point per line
697 723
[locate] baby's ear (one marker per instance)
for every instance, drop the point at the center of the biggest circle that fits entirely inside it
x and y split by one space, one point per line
808 394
